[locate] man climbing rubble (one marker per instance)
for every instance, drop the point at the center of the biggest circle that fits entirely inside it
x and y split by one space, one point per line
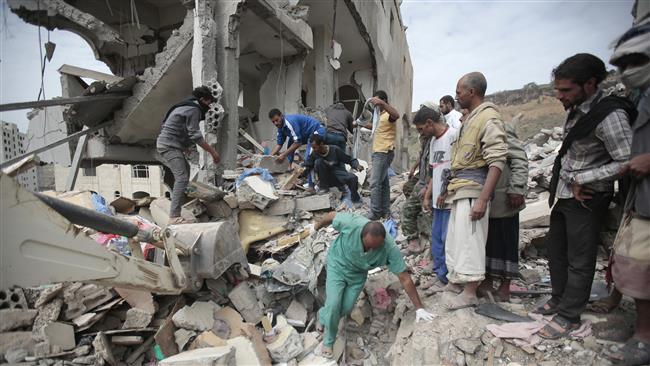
596 146
631 257
180 131
360 246
477 159
339 123
329 163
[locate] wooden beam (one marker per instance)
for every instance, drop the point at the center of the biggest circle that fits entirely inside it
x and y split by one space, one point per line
251 140
62 101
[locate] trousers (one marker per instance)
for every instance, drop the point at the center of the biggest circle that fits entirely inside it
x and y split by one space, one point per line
337 177
572 243
380 184
175 161
438 238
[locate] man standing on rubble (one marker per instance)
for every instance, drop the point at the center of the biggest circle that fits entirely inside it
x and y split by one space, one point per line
383 152
329 163
477 159
452 116
631 258
339 123
597 139
180 131
360 246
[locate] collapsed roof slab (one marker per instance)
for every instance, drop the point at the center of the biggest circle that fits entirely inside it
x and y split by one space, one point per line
159 88
295 31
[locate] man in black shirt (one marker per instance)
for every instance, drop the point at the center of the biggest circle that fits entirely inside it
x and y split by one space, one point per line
328 161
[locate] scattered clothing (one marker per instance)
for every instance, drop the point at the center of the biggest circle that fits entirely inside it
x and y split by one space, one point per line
263 173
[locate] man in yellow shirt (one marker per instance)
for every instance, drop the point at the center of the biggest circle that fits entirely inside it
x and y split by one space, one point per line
383 152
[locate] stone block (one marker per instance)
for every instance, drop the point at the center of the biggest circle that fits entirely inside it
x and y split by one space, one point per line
182 337
137 319
218 209
103 349
16 355
228 323
536 214
48 294
255 336
244 351
204 192
244 299
199 316
13 298
287 205
231 200
309 343
207 339
11 319
255 192
61 335
269 163
213 356
46 315
296 311
286 346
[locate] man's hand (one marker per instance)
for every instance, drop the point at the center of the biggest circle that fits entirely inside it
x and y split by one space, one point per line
440 201
376 101
478 209
426 204
581 193
639 166
423 315
280 158
422 192
515 200
411 173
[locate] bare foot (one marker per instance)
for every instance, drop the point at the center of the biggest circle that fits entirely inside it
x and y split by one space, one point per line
460 302
324 351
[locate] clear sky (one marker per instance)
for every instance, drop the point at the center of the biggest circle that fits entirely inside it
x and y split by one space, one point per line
511 42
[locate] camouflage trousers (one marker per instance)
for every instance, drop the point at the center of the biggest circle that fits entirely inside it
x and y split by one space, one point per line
412 212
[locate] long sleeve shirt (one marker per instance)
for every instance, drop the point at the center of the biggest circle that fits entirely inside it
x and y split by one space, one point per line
596 160
181 128
339 119
298 128
513 179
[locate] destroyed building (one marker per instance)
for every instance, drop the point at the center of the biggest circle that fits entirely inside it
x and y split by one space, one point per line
298 56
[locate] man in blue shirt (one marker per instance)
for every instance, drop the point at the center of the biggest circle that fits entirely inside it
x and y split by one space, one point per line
297 128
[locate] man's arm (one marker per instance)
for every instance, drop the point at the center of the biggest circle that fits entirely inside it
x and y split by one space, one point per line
392 112
288 151
518 162
494 149
350 122
616 134
325 221
411 291
426 202
215 155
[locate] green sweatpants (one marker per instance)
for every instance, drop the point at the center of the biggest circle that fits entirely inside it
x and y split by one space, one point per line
342 288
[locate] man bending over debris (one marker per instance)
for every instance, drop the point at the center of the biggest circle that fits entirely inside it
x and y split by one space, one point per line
329 163
180 131
360 246
477 159
296 128
597 138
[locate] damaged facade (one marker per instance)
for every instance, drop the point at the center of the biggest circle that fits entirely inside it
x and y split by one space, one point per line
254 54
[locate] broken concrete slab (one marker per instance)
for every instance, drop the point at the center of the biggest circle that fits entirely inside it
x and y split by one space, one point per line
82 298
288 205
244 299
309 343
536 214
255 336
218 209
212 356
15 340
244 351
297 312
204 192
199 316
137 299
16 355
46 315
48 294
207 339
231 200
137 319
195 207
182 337
103 349
11 319
61 335
270 163
286 346
255 192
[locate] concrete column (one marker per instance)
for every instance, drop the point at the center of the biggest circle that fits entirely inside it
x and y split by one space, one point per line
227 42
324 73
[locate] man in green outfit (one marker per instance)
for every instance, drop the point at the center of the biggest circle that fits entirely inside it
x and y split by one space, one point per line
360 246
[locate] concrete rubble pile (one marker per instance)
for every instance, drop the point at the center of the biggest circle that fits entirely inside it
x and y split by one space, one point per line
258 315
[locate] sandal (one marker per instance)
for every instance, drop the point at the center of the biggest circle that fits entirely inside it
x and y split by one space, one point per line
557 328
548 308
323 351
634 352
